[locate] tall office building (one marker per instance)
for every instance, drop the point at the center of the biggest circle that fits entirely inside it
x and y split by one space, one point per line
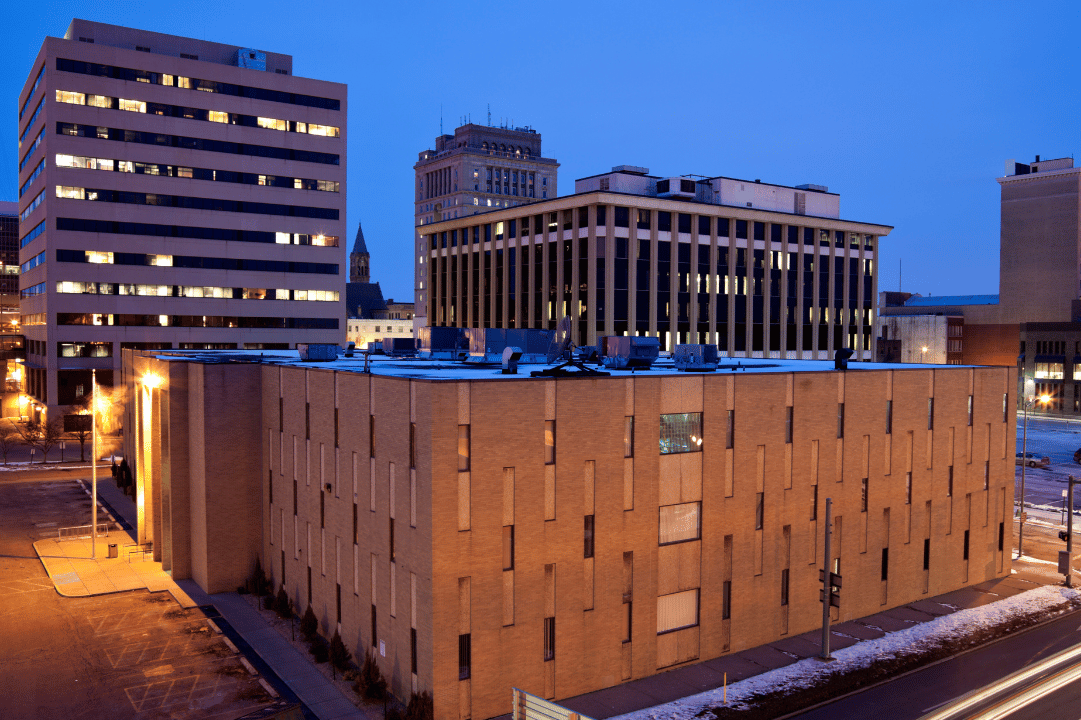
11 340
167 184
761 270
477 169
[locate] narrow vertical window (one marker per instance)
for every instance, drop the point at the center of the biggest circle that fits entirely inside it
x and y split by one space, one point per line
392 539
730 433
463 448
965 551
465 659
1005 408
885 563
840 420
354 523
588 551
726 600
336 427
549 638
889 417
788 424
270 486
986 474
413 650
908 488
281 413
549 442
338 597
294 497
628 436
371 435
508 547
759 510
375 640
784 586
970 411
926 553
863 495
949 481
1001 535
307 421
322 508
412 445
930 413
628 615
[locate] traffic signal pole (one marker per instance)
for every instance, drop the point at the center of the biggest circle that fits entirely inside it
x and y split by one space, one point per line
826 586
1069 532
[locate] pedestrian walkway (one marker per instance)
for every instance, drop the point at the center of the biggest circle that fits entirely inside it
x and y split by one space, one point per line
78 571
75 574
712 674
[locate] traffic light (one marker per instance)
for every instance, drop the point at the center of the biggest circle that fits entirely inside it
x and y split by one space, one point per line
835 588
1064 535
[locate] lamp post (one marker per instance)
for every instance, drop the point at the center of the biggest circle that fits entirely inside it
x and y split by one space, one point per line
1029 402
93 463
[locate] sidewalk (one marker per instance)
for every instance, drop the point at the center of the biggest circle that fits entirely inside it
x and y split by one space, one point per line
75 574
712 674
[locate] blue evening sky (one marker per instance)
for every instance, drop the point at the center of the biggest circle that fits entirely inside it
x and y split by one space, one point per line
907 109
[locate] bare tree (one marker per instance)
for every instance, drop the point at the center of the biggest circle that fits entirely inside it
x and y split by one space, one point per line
9 440
80 424
42 436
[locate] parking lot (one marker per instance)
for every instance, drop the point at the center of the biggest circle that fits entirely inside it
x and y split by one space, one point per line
127 655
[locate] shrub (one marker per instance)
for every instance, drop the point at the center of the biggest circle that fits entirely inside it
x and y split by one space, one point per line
393 713
318 646
309 625
420 707
259 584
282 605
370 682
340 656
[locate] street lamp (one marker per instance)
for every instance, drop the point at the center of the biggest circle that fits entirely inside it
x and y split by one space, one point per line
1029 402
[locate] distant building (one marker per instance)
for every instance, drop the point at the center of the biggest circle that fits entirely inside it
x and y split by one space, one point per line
486 531
359 259
367 313
917 329
12 344
477 169
175 193
761 270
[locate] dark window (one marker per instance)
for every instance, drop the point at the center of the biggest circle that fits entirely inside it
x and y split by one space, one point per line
1001 535
927 553
628 616
338 598
371 435
549 442
270 486
294 497
730 433
412 445
949 481
335 427
889 417
354 523
885 563
549 638
759 510
788 424
623 217
628 436
784 586
322 508
588 552
726 600
930 413
863 495
840 420
413 650
908 488
392 539
465 660
814 502
965 552
375 639
463 448
508 547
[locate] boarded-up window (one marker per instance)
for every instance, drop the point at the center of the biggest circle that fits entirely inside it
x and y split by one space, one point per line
679 523
676 611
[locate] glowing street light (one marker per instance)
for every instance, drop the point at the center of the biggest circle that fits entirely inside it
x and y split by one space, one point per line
152 380
1045 399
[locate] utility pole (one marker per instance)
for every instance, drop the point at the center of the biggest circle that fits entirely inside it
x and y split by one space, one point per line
1065 559
830 582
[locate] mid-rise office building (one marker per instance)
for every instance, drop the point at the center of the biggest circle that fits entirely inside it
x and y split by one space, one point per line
476 169
12 348
175 193
479 531
761 270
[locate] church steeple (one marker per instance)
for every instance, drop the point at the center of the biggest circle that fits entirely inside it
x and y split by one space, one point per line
359 270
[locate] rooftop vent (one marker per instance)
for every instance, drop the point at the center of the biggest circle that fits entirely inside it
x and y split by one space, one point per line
318 352
813 188
676 187
695 358
633 169
486 345
629 353
442 343
400 347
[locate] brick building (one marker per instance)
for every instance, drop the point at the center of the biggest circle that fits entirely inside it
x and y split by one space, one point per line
480 531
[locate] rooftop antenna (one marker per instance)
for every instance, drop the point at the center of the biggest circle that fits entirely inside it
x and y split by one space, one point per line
440 118
900 273
560 348
489 114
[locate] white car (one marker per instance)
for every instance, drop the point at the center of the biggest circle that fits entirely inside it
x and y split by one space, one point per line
1033 460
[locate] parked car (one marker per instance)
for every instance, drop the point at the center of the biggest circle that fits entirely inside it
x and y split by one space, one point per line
1033 460
1077 456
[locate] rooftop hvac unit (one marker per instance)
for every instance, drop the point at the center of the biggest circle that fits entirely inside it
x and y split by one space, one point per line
442 343
318 352
400 347
676 187
695 358
629 353
486 345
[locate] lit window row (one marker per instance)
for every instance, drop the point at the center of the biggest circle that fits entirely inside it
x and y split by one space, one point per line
195 203
140 168
141 106
67 287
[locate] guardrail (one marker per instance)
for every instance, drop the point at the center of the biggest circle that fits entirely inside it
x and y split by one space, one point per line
531 707
81 531
143 549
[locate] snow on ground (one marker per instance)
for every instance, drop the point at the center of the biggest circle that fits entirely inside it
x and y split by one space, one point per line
808 672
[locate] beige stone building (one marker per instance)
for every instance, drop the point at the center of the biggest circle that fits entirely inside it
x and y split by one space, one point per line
480 531
177 193
760 270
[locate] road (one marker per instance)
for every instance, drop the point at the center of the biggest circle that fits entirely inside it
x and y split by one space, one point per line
918 693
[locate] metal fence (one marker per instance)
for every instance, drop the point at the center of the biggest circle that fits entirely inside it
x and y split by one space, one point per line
531 707
81 531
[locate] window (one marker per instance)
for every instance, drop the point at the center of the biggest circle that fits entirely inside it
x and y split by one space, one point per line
677 611
679 523
840 420
465 661
885 564
391 539
986 474
588 551
1001 535
730 433
628 616
965 550
889 417
463 448
726 600
549 638
788 424
930 413
759 509
508 547
784 587
413 650
681 433
970 411
814 502
371 435
412 445
628 436
863 495
375 640
926 553
949 482
549 442
908 488
1049 370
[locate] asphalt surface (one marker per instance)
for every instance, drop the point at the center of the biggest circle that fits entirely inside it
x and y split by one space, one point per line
126 655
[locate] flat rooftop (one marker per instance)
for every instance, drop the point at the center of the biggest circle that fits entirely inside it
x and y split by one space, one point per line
450 371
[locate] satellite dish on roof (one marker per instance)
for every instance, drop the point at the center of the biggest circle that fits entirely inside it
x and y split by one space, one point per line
560 343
